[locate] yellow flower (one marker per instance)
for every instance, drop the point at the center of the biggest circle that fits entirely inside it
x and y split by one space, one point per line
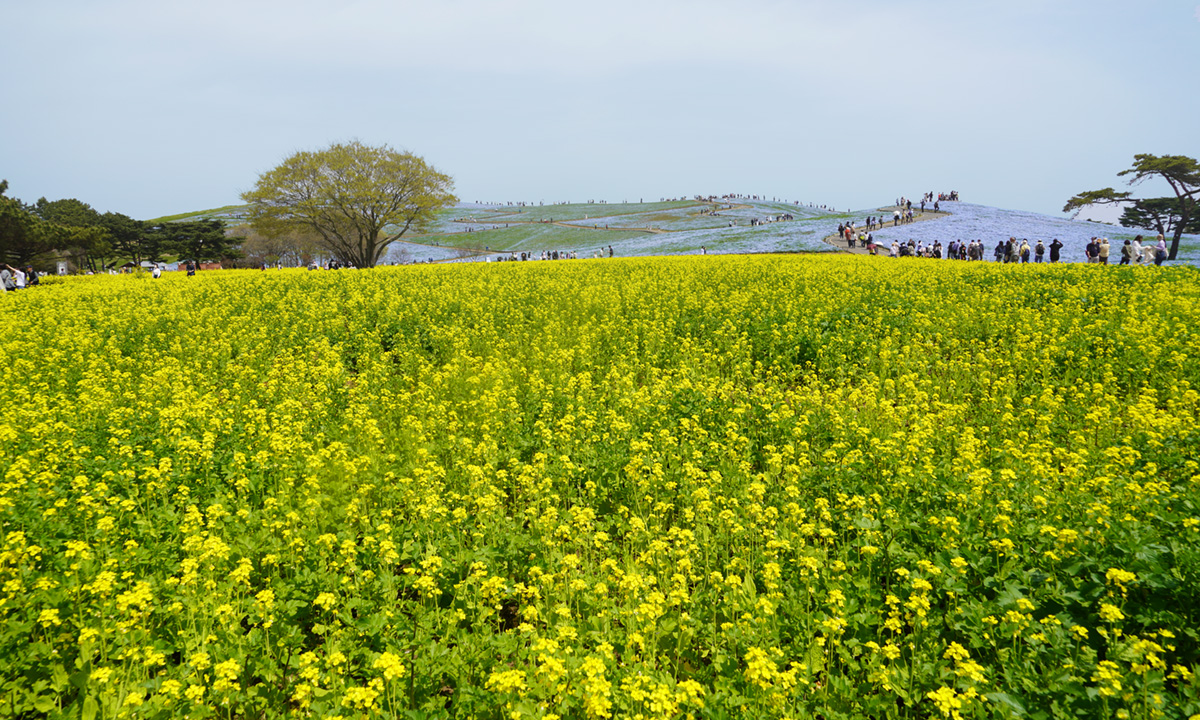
49 618
506 681
390 664
1110 613
227 675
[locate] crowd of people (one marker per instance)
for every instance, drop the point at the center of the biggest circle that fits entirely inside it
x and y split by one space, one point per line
1133 251
1098 250
17 278
551 255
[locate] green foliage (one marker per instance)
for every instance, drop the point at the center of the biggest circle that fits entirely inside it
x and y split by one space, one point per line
126 236
1107 196
349 194
68 212
199 240
23 235
1161 214
76 230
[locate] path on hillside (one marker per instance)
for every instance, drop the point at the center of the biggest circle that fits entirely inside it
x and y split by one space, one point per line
507 218
839 242
510 217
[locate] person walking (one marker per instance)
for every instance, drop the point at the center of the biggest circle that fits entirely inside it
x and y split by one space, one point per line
1102 251
1160 250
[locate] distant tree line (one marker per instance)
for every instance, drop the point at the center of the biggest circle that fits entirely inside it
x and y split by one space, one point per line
348 202
41 233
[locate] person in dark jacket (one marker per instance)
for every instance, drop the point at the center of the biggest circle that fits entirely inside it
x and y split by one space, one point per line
1055 246
1126 253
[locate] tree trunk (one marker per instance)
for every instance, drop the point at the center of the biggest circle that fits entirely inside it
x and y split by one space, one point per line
1186 206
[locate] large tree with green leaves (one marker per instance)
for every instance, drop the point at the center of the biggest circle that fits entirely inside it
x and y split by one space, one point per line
358 199
23 235
1169 215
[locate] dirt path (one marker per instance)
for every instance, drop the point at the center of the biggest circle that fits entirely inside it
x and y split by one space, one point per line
839 242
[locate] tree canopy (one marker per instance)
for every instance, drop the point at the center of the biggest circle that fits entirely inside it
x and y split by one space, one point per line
358 199
1169 215
84 236
23 235
126 236
1163 214
72 228
199 240
68 212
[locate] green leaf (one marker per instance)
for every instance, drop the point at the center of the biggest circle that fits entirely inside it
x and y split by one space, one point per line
79 680
59 678
89 708
44 703
748 585
1008 701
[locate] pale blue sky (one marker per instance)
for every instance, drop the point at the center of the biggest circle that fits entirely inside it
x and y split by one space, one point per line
150 107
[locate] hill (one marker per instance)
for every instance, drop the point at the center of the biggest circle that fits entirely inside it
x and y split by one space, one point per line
478 231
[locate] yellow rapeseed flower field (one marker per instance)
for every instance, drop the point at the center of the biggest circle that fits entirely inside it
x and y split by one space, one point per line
718 487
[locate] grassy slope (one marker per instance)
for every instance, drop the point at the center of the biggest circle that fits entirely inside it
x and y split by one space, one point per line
584 227
222 213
